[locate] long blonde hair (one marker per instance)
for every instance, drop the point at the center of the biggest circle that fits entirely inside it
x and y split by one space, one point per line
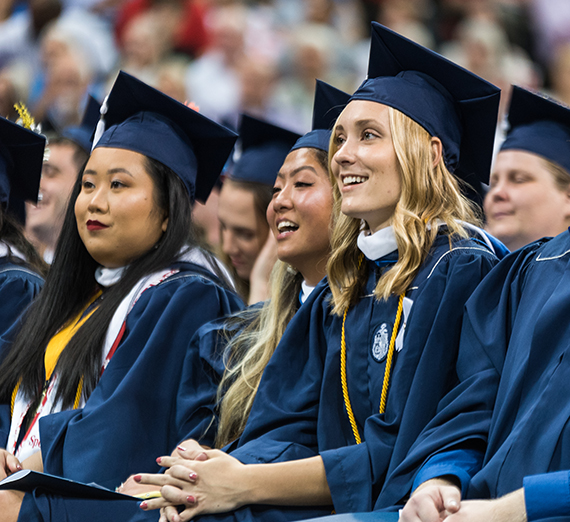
428 195
250 351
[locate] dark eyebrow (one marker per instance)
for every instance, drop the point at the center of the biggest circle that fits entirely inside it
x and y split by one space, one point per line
297 170
110 172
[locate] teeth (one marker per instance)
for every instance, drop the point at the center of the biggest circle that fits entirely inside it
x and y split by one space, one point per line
286 225
353 180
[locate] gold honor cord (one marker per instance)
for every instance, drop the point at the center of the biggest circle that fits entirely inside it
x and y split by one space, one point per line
76 402
387 370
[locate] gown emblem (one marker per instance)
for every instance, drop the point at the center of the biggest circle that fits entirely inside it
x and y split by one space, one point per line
380 345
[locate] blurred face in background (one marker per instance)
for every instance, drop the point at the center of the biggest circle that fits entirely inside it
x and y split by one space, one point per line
525 202
243 226
59 172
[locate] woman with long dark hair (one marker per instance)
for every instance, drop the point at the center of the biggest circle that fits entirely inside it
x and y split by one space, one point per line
92 376
21 268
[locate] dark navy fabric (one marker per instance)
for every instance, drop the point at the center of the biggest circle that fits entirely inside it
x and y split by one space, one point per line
299 410
131 417
19 284
516 369
539 125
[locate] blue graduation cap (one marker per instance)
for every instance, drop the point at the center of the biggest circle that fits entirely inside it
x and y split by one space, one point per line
81 134
21 158
448 101
140 118
540 125
329 103
264 149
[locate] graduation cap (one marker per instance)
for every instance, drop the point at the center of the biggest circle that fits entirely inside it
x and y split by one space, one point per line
540 125
329 103
264 149
448 101
140 118
21 159
81 134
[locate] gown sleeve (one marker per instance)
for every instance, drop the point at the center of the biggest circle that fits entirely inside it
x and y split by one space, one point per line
547 495
464 414
130 418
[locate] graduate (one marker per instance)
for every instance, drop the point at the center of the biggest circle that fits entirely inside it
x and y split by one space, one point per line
21 268
359 373
91 376
299 216
243 202
514 377
529 192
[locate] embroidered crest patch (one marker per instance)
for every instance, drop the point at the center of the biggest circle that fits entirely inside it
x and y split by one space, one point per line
380 344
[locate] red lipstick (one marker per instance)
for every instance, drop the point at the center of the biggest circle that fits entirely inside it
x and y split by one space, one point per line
95 225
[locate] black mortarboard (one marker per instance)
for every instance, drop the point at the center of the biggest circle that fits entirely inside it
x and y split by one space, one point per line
264 148
329 103
82 133
540 125
448 101
142 119
21 158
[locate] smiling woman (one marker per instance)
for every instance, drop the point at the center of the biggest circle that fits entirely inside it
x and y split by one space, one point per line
127 289
361 368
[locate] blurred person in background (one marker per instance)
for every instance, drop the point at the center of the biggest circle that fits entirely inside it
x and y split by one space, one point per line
529 192
68 152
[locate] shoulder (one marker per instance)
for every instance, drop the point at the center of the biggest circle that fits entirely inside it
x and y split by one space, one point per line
447 251
12 273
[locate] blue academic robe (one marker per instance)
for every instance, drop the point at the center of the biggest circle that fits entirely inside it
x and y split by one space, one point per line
18 286
299 408
516 372
131 416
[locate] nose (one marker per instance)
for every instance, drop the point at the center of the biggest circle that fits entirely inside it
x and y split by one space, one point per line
98 201
345 154
229 244
498 191
282 199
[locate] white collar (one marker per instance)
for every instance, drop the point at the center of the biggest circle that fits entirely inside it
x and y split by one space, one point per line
305 291
377 245
110 276
5 250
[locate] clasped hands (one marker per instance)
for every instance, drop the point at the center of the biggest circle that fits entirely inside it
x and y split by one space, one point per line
197 479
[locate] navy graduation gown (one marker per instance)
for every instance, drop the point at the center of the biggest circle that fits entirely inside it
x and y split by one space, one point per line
299 409
516 370
131 417
18 287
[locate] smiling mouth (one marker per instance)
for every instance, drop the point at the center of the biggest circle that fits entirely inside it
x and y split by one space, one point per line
353 180
95 225
286 226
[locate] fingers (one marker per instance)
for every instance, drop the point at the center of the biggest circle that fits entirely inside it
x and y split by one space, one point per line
160 480
169 514
177 497
420 508
190 450
451 499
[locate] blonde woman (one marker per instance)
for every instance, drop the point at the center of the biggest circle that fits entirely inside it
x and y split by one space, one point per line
359 374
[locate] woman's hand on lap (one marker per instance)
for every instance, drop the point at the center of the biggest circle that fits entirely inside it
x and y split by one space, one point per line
8 464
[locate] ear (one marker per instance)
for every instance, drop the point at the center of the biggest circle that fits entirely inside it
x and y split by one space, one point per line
436 151
165 224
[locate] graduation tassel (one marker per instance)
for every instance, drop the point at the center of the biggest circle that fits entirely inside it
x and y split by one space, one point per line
100 129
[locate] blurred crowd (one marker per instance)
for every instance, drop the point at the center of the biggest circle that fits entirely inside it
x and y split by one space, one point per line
260 57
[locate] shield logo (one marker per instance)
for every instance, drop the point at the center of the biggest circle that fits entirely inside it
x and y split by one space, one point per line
380 344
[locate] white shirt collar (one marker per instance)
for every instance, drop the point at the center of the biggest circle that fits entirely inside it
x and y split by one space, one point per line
4 251
305 291
109 276
377 245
